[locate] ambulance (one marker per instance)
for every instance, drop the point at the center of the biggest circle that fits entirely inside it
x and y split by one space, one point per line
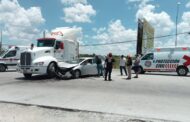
9 59
175 59
61 45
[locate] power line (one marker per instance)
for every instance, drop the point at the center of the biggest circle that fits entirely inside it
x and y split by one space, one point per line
133 40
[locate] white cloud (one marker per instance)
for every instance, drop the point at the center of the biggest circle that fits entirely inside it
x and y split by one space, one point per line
188 5
142 2
72 2
115 32
78 11
184 26
161 21
163 25
18 23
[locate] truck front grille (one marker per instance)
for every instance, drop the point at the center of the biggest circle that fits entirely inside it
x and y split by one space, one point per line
25 58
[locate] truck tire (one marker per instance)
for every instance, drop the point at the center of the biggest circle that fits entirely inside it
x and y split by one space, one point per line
27 76
182 71
141 70
77 73
51 69
2 68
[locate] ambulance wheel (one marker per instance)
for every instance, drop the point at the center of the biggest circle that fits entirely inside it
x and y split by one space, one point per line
77 73
51 69
27 76
182 71
2 68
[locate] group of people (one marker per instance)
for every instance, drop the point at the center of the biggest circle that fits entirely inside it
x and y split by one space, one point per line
108 66
123 63
128 62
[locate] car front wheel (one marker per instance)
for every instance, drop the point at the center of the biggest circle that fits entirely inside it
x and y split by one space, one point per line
77 73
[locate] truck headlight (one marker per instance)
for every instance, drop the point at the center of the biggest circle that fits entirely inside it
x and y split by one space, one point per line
39 63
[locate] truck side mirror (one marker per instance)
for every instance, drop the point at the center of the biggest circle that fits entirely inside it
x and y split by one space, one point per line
62 45
56 46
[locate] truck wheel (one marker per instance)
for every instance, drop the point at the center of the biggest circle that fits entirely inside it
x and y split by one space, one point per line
77 73
141 71
51 69
182 71
2 68
27 76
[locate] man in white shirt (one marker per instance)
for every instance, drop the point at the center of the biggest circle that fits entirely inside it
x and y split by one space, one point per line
122 65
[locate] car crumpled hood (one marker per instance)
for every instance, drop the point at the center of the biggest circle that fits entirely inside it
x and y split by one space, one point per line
66 65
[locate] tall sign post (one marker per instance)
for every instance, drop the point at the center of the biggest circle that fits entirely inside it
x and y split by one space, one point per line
139 37
145 37
148 37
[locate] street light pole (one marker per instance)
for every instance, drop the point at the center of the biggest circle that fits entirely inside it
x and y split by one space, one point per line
177 22
1 40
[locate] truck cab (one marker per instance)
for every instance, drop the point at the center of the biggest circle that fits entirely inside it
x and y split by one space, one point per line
44 58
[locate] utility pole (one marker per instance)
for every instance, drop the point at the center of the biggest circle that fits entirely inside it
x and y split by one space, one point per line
178 3
1 40
44 34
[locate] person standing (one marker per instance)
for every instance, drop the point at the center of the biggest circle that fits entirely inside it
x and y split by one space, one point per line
122 64
129 65
108 66
99 65
136 65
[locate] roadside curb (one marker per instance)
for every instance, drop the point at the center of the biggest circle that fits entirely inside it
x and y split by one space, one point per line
132 118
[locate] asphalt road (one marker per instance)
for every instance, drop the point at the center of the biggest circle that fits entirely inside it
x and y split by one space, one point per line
164 96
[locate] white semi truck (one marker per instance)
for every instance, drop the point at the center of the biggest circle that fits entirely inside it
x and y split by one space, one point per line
61 45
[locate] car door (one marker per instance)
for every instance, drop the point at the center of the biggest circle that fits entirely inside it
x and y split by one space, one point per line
88 67
94 67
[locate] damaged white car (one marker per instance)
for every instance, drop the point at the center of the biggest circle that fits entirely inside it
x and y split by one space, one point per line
76 69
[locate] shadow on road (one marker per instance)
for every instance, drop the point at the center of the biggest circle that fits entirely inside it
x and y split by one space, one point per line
46 78
38 78
161 74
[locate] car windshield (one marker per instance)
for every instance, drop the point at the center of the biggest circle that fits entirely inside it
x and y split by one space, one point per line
46 43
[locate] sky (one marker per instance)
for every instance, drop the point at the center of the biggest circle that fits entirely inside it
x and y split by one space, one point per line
100 21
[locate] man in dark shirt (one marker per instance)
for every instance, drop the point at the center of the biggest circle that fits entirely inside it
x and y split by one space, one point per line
108 66
99 65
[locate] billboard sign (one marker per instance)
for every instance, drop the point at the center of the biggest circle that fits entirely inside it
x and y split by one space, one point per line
145 37
148 37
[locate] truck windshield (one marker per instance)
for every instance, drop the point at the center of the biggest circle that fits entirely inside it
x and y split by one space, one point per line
46 43
3 53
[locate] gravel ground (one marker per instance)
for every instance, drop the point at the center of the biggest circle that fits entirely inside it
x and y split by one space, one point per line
27 113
